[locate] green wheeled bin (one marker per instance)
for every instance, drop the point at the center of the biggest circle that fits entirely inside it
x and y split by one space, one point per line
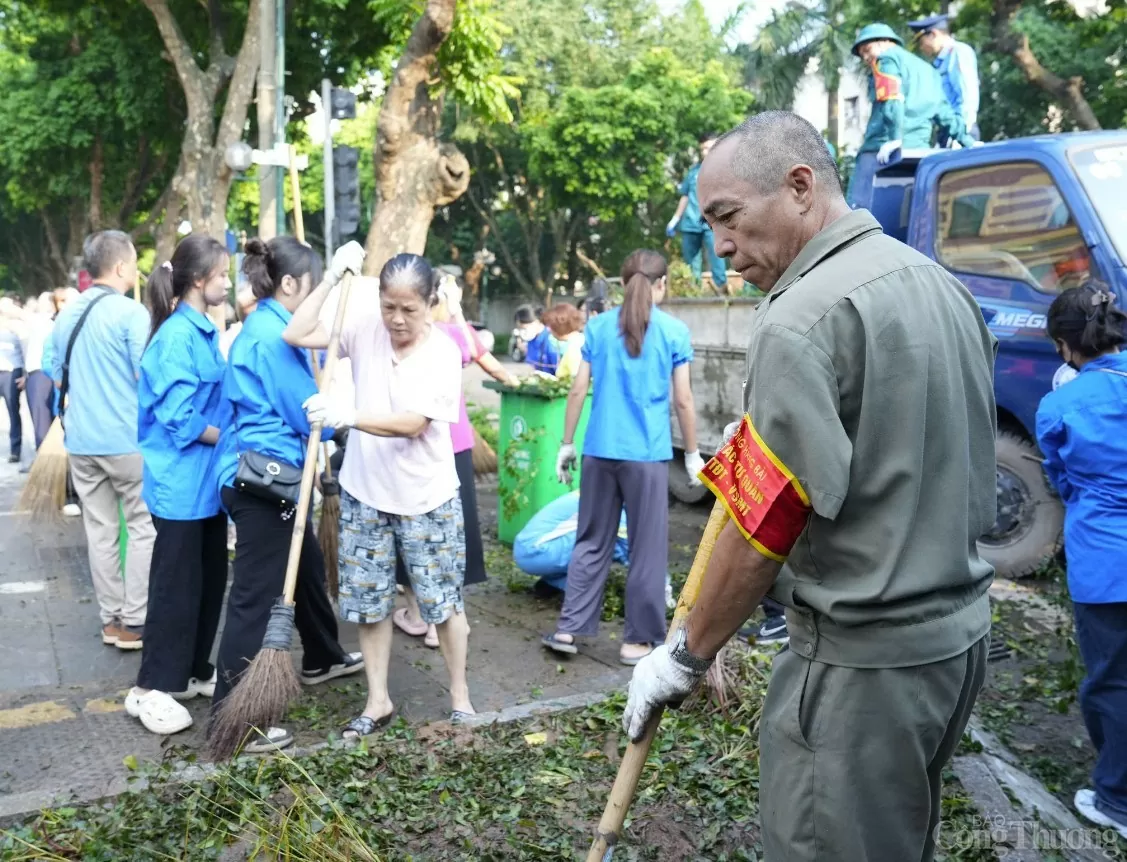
532 425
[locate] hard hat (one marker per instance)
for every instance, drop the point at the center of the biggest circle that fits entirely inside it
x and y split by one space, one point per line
873 32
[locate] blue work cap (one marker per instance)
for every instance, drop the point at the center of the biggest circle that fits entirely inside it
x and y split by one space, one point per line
873 32
934 22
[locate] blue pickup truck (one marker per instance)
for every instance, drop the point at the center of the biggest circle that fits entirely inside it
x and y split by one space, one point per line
1017 222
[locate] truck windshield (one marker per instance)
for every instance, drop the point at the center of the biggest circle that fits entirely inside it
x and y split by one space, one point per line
1103 173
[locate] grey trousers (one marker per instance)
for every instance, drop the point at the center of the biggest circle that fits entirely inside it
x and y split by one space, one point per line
604 488
851 760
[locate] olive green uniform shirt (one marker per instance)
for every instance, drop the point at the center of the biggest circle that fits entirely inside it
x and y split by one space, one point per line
870 376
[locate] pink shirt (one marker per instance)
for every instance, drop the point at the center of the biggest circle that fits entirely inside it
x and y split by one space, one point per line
400 475
461 432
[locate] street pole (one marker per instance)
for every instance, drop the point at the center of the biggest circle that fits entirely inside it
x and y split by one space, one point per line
330 202
267 125
280 117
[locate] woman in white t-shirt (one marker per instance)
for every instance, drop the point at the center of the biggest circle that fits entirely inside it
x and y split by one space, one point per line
399 485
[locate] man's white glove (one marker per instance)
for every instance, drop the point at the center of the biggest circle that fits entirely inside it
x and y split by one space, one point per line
330 412
884 154
730 430
348 258
657 681
694 463
565 463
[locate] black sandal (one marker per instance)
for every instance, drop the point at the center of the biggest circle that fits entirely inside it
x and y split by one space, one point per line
556 645
364 725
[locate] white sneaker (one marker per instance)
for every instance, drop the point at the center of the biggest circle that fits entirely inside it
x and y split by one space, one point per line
71 510
276 739
158 711
1085 802
201 687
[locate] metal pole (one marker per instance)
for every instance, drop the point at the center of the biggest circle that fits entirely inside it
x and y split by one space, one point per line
267 125
330 188
280 116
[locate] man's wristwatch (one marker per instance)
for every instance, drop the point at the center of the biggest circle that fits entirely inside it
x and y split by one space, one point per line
679 652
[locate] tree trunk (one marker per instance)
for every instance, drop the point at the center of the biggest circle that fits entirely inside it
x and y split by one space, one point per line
415 172
1069 93
833 113
97 171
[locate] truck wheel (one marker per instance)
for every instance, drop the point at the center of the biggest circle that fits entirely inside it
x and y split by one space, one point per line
679 486
1030 516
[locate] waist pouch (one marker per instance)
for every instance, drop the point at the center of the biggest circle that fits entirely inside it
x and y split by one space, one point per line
269 479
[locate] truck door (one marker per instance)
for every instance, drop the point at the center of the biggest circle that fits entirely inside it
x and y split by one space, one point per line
1007 231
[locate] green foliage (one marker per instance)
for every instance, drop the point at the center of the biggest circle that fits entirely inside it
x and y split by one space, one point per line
485 423
469 61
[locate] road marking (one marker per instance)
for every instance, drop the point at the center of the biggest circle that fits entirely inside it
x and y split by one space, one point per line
103 706
16 588
33 714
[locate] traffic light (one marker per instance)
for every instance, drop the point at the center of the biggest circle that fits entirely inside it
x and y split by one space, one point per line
346 180
343 105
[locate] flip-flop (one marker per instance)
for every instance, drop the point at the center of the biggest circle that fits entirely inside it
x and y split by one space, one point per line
457 716
553 643
399 618
631 661
364 725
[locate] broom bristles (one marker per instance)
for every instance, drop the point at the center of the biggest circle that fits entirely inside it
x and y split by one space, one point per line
45 493
484 458
260 700
328 535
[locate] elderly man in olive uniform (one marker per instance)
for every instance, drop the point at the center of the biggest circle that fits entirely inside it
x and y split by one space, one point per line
858 482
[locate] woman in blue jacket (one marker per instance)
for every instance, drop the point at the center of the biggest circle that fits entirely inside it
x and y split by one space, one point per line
267 382
1082 431
181 414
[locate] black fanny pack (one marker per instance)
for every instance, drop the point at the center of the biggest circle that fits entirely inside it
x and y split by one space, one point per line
269 479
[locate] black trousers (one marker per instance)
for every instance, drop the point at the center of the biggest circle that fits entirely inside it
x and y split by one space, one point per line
261 549
40 394
187 579
11 395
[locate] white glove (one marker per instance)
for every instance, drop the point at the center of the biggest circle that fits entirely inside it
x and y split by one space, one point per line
348 258
730 430
884 154
671 228
694 463
565 463
330 412
657 681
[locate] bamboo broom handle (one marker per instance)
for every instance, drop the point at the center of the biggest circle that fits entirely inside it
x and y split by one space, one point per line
302 513
633 761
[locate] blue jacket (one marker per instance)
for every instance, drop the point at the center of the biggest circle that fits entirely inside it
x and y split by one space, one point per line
180 393
267 382
1082 431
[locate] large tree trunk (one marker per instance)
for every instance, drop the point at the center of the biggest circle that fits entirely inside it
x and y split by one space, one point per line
1068 92
833 113
415 172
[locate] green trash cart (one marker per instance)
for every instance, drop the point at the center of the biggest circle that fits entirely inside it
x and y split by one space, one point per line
532 424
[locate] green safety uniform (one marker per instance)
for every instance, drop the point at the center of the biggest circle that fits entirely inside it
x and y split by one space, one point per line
908 99
870 383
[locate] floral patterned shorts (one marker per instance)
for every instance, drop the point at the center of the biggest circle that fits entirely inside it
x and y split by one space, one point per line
433 547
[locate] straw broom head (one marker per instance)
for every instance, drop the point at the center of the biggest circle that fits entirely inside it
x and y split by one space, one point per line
328 534
484 458
45 493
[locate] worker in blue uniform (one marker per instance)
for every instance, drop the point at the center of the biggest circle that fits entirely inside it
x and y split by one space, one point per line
957 64
908 101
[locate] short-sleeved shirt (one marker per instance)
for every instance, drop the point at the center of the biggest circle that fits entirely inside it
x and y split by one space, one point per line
101 409
401 475
629 418
870 377
266 383
691 219
1082 432
543 352
180 395
461 432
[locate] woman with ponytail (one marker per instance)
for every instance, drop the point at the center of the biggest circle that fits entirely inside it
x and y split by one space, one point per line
632 353
182 413
1082 431
267 382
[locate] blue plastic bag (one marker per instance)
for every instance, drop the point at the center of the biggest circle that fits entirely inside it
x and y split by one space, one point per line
544 547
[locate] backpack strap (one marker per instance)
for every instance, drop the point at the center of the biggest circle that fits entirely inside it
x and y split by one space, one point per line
64 386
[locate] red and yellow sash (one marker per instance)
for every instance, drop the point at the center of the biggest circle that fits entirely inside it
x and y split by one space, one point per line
761 494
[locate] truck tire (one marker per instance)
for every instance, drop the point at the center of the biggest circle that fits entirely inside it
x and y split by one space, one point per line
679 487
1030 516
